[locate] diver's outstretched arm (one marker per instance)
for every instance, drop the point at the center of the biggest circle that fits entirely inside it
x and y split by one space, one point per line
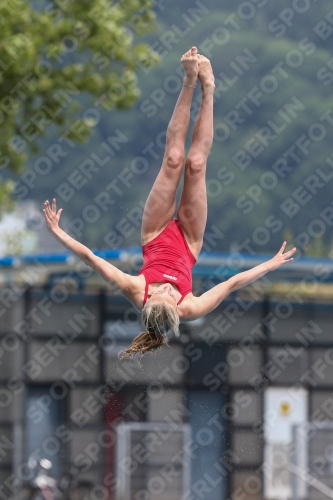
209 300
106 270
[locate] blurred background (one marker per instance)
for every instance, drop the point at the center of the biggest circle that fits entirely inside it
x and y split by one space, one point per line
242 406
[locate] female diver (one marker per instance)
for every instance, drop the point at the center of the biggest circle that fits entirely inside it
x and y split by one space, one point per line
163 288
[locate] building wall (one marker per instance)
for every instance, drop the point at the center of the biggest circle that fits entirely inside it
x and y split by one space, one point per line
62 382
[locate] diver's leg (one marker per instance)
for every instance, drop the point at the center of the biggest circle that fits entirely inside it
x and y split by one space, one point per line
192 210
160 205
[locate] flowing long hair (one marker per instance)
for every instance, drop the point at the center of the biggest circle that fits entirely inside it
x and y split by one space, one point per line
157 318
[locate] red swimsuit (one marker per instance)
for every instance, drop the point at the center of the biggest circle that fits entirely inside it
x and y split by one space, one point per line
168 259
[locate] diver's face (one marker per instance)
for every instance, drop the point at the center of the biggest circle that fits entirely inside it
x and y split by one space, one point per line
164 293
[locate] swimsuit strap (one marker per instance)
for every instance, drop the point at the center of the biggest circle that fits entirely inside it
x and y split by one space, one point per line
182 298
146 290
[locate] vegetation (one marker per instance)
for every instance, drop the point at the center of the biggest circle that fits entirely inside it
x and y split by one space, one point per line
270 171
57 58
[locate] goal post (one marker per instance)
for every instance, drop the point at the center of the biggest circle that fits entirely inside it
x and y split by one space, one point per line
153 461
312 478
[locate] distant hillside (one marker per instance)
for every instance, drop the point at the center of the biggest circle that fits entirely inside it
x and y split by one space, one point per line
270 172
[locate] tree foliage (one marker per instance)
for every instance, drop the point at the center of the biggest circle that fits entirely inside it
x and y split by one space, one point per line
56 56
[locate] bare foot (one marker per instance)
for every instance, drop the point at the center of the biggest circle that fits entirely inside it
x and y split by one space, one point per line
190 65
206 75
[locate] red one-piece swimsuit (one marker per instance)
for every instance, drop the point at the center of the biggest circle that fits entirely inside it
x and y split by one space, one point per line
168 259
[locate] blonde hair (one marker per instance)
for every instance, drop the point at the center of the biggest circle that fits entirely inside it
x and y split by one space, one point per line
158 318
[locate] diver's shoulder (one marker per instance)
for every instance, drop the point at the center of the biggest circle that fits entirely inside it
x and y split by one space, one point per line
187 307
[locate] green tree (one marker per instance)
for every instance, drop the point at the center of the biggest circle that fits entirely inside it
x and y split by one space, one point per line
57 56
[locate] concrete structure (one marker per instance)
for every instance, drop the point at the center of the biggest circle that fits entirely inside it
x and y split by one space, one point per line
63 389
